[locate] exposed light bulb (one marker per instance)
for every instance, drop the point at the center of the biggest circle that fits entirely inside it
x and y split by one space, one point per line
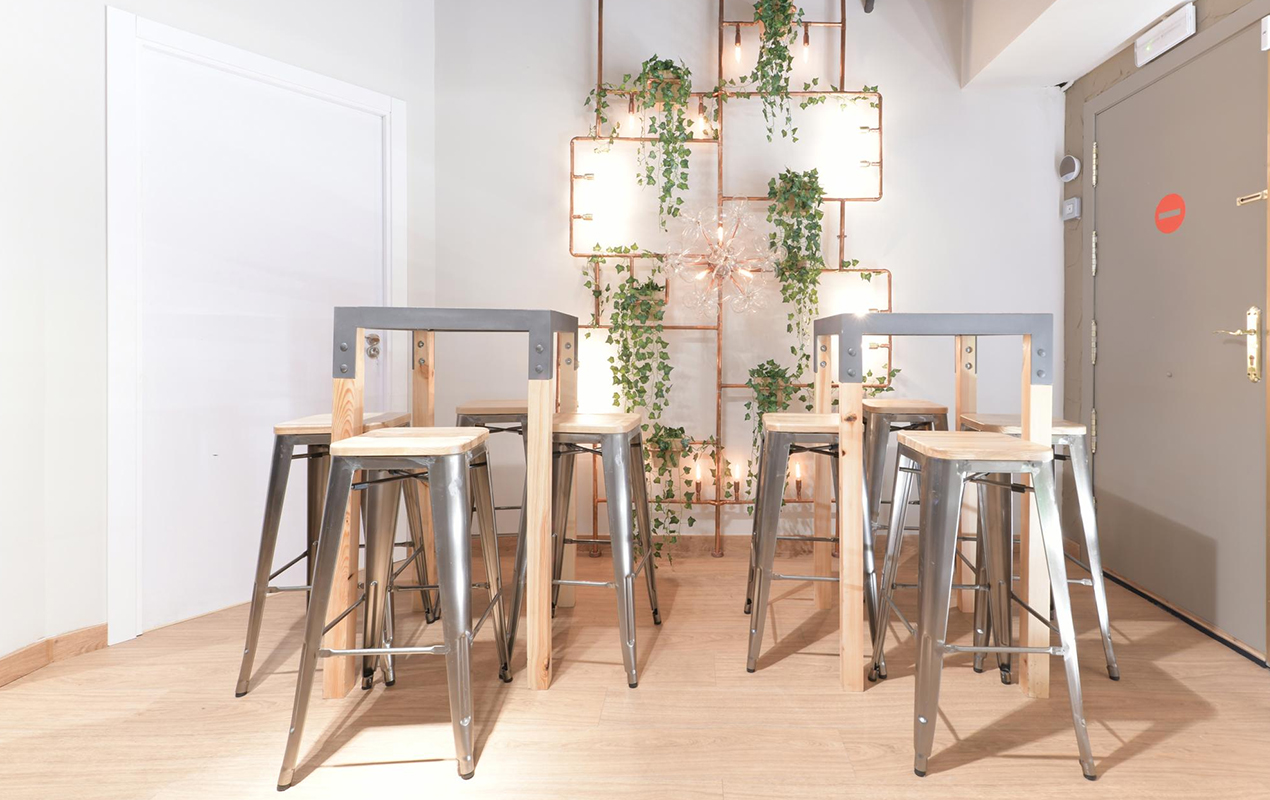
798 470
806 43
737 46
735 469
631 119
698 470
701 117
719 233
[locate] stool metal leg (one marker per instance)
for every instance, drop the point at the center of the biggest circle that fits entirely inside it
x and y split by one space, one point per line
941 508
414 521
1052 536
870 574
639 486
319 471
775 465
1078 452
338 489
519 562
982 609
484 498
382 500
995 519
279 470
903 485
617 482
877 432
450 517
562 465
754 528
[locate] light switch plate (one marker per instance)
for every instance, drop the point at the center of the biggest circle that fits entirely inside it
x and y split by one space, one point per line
1071 208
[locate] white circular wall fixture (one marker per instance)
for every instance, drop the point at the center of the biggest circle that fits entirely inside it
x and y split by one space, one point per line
1068 168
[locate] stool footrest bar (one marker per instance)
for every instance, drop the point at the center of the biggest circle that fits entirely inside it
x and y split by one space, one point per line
429 650
822 578
343 614
806 539
607 584
1044 620
604 541
911 630
1058 650
965 587
288 565
278 589
493 601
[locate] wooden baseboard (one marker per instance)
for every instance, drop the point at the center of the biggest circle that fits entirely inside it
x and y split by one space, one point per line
44 652
1195 622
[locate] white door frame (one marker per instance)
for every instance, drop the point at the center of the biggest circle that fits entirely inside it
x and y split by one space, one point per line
126 36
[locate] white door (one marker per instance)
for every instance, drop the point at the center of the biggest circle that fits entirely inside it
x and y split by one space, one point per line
246 199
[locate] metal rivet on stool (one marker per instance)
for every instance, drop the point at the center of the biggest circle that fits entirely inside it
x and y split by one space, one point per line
343 347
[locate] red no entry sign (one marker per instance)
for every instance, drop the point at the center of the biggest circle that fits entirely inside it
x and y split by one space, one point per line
1169 213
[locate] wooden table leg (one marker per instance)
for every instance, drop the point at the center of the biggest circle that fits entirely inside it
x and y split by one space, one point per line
542 406
1034 587
851 534
423 415
822 520
966 402
339 674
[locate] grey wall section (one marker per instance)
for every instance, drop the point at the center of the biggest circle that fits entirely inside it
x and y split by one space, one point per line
1076 235
53 262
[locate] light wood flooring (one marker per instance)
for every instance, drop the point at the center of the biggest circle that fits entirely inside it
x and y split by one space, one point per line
157 717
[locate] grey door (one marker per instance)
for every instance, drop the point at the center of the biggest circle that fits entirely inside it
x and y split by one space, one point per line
1180 468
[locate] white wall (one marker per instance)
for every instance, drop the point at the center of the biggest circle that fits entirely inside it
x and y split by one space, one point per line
969 221
52 253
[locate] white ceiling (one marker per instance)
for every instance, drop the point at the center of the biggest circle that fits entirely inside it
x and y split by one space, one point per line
1048 42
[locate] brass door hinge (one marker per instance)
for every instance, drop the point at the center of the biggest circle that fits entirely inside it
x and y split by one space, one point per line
1093 342
1094 170
1093 431
1093 259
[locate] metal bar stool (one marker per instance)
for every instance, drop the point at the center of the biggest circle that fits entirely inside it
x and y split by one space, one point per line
882 417
621 446
503 416
945 462
314 434
447 454
785 433
1072 437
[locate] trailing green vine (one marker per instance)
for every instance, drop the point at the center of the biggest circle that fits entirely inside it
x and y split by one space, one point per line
634 309
774 389
796 213
663 89
778 20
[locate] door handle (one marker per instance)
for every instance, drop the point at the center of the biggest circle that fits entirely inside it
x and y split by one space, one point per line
1252 334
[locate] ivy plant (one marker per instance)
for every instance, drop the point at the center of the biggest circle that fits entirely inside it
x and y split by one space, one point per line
662 91
797 216
778 21
634 309
774 388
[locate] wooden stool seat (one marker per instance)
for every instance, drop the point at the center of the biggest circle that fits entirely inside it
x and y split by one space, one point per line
1012 424
515 407
799 422
411 442
316 424
974 446
599 424
901 405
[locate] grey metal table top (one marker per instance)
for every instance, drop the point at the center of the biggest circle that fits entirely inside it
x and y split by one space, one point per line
851 328
540 324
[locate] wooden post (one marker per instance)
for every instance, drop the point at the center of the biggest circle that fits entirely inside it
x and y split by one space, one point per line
967 387
1034 588
851 533
566 363
423 415
339 674
822 520
542 406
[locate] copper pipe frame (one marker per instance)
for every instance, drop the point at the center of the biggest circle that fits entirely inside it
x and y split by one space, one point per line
720 386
